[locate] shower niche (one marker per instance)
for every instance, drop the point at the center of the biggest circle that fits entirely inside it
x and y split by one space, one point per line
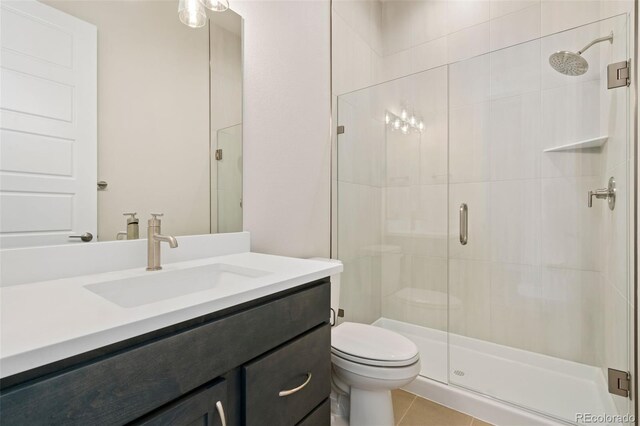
536 307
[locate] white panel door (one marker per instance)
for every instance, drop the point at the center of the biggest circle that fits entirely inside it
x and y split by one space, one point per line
48 125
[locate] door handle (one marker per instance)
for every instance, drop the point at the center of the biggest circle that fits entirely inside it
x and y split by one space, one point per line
464 224
86 237
223 418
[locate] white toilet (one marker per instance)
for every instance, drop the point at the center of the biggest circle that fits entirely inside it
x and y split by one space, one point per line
367 363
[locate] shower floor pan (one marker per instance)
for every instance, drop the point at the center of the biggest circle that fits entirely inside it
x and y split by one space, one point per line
541 383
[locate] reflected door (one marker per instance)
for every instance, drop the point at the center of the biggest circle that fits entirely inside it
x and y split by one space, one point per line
48 148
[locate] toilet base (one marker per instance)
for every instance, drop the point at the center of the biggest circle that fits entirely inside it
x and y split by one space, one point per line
371 408
360 407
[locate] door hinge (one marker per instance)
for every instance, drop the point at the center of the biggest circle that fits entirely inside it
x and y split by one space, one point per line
340 130
619 382
618 74
218 154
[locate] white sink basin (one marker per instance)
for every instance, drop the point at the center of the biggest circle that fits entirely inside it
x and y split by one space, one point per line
161 285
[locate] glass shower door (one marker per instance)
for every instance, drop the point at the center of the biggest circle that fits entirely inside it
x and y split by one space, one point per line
229 179
392 210
539 284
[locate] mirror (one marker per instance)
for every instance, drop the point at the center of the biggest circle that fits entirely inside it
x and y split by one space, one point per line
158 103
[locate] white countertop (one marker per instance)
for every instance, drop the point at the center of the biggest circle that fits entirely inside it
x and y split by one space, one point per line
47 321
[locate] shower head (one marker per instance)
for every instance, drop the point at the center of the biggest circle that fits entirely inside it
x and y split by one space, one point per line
571 63
568 63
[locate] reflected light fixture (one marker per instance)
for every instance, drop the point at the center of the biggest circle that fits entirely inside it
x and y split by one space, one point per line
404 122
193 14
216 5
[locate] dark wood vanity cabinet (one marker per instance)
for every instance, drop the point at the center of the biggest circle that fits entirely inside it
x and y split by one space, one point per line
266 362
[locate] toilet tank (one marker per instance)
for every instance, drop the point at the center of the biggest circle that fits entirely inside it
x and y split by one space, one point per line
335 287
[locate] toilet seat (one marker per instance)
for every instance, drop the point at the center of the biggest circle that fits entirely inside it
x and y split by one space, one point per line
374 362
372 346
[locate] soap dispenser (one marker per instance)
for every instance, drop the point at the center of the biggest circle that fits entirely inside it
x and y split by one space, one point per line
133 228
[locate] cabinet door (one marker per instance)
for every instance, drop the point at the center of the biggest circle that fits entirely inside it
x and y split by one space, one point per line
203 407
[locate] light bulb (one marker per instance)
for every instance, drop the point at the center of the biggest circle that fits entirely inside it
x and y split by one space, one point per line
412 121
216 5
386 118
396 124
421 126
192 13
403 115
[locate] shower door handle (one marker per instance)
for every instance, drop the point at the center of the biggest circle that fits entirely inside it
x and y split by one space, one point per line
464 224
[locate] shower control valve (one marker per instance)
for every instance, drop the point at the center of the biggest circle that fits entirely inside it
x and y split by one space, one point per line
608 193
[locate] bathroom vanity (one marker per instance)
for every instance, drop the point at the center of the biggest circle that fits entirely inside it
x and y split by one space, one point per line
260 356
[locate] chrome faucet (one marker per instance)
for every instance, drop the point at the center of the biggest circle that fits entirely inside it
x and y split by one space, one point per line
154 238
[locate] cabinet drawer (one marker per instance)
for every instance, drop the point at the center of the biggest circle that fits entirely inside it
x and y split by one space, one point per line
302 367
321 416
204 407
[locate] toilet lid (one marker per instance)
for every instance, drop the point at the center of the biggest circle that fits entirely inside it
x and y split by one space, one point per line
367 344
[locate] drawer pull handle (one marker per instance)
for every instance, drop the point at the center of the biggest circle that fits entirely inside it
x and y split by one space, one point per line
223 418
294 390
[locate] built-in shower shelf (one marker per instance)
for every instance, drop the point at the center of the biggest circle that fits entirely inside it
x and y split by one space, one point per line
589 143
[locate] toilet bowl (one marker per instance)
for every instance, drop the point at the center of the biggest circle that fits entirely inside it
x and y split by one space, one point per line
368 362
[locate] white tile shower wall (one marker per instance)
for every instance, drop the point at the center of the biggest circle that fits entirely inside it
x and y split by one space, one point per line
559 278
357 44
452 30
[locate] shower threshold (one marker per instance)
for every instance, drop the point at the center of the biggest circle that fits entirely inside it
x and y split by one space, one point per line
543 384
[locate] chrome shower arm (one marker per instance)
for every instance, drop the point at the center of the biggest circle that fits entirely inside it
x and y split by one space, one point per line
598 40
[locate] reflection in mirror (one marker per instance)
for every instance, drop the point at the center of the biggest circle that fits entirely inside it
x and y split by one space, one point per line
228 180
129 83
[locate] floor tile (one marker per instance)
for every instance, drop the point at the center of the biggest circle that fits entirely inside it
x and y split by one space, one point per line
401 402
426 413
477 422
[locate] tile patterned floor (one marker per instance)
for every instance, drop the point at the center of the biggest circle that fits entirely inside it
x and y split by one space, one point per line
411 410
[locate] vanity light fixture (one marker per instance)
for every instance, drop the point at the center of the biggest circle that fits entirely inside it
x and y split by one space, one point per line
193 14
404 122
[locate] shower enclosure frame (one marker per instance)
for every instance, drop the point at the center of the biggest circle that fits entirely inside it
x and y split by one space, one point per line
633 179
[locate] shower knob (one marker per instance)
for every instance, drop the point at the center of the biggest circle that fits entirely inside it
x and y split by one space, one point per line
608 193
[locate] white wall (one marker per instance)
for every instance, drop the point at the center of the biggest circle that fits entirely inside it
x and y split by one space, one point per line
286 126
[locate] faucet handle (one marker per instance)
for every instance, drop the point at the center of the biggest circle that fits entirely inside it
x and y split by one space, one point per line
132 214
155 221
